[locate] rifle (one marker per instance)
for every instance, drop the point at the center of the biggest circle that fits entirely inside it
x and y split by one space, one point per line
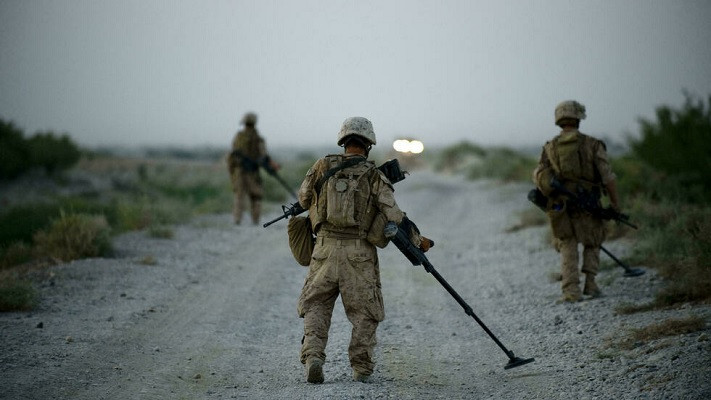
390 168
253 165
399 236
291 211
591 204
536 197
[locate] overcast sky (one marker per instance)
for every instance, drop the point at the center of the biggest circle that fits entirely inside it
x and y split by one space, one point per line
184 72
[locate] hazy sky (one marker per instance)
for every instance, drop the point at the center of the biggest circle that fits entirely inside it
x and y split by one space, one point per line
183 72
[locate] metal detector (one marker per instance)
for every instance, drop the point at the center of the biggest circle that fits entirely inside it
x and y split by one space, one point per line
417 257
629 272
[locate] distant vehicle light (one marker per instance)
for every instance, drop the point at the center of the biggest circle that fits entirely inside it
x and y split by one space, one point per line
416 147
408 146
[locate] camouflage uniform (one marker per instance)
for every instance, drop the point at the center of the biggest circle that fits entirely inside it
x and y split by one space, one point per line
244 171
343 261
579 162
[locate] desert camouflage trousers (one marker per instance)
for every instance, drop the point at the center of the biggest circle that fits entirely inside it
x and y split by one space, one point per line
247 185
348 267
590 232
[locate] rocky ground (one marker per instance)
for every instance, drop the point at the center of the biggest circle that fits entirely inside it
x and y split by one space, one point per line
211 314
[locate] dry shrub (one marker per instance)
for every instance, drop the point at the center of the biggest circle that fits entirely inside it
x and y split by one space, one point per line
74 236
16 253
670 327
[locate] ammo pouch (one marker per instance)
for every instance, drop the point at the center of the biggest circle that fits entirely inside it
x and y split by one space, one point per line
301 239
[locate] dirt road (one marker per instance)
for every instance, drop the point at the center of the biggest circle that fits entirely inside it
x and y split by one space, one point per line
211 314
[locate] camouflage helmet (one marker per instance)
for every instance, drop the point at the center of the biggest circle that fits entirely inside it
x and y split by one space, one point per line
357 126
569 109
249 118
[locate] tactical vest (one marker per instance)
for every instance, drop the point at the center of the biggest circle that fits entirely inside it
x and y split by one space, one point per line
571 155
345 203
247 142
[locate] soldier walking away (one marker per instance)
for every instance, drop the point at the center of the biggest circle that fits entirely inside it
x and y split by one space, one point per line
344 193
248 153
579 163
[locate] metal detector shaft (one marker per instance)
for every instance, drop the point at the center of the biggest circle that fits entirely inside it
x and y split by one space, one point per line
628 271
417 257
623 265
467 309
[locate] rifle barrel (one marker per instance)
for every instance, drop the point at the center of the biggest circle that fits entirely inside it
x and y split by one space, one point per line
279 218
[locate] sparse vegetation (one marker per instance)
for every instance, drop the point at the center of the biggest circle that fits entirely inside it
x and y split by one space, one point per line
477 162
667 178
459 156
142 194
503 164
17 295
74 236
670 327
44 150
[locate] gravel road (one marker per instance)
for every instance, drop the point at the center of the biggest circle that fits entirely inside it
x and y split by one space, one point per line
211 314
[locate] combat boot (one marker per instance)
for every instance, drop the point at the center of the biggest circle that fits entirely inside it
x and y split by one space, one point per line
569 298
591 288
360 377
314 370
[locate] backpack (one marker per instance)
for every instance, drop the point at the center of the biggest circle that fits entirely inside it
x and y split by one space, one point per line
347 193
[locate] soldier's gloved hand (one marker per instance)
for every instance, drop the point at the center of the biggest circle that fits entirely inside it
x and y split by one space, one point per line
426 244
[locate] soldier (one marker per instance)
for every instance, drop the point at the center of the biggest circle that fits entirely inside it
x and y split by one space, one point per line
580 163
343 194
248 153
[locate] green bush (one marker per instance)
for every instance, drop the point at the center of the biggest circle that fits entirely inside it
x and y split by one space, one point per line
14 151
504 164
677 241
19 224
74 236
129 214
454 158
678 144
17 295
44 150
665 186
52 153
15 254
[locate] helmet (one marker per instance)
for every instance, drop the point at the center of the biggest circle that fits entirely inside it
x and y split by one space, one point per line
569 109
249 118
358 126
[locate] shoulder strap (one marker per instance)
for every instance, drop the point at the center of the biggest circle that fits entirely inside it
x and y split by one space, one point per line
345 164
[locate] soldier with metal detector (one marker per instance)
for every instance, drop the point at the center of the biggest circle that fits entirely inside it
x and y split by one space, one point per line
573 173
349 202
351 210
